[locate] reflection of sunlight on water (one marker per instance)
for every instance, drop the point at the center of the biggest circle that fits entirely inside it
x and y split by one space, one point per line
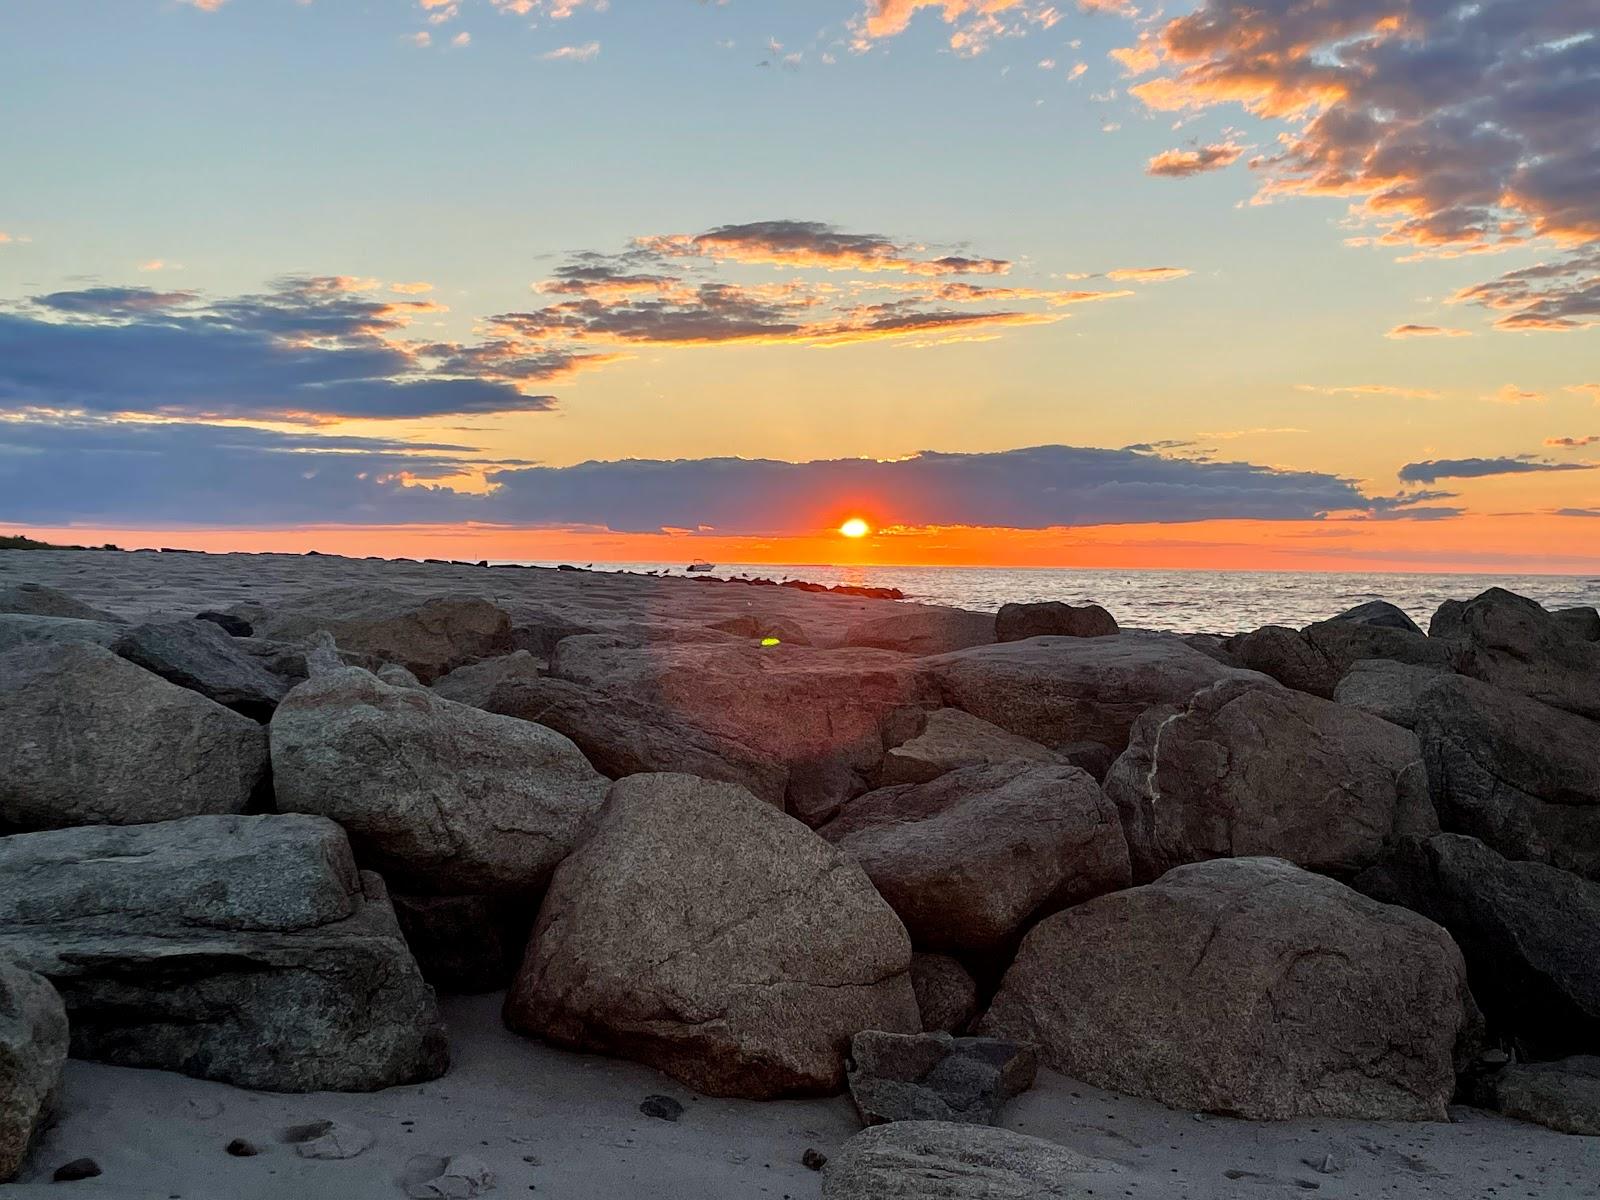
1213 601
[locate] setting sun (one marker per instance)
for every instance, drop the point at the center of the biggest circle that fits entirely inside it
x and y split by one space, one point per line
855 527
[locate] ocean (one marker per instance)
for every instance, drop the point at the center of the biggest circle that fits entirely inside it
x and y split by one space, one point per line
1183 601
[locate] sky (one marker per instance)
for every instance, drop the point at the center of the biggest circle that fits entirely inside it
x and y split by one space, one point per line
1292 284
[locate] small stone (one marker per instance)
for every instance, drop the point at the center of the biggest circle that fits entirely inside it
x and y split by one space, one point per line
461 1178
328 1139
78 1168
243 1148
813 1159
662 1107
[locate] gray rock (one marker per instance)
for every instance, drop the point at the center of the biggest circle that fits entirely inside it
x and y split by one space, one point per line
936 1077
33 1048
969 858
619 733
1511 642
199 656
1527 932
1248 987
20 629
229 624
397 676
1582 622
426 636
923 631
947 996
329 1140
704 933
465 944
951 739
1564 1096
1246 769
245 949
37 600
1056 690
1386 689
459 1177
92 739
819 713
1051 618
440 797
1521 776
945 1160
1317 657
1379 613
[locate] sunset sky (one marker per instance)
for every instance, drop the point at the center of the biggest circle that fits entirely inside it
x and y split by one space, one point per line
1288 284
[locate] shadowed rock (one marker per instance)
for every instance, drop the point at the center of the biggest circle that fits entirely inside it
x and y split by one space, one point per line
1245 769
89 738
1247 987
967 859
33 1049
37 600
1511 642
1582 622
951 739
923 631
936 1077
1564 1096
944 1160
1386 689
707 934
947 996
199 656
465 944
1379 613
1051 618
245 949
1316 658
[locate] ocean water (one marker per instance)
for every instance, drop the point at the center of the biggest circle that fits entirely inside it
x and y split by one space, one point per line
1184 601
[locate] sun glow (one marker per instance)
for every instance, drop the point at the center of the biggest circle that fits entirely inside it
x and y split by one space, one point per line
855 527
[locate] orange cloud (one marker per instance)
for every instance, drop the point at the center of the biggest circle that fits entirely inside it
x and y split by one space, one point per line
1148 274
1180 164
1422 331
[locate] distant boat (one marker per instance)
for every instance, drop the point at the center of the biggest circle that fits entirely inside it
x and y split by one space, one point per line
702 566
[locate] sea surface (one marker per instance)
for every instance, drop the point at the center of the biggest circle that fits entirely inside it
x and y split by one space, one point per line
1184 601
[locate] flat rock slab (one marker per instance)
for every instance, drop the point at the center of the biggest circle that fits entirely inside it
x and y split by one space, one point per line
1564 1096
37 600
936 1077
950 739
943 1160
246 949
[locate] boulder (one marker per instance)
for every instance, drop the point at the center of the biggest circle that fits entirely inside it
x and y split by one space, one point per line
951 739
92 739
1386 689
936 1077
199 656
465 944
1527 932
244 949
947 996
33 1049
1521 776
1247 987
1511 642
1245 769
34 599
705 933
1051 618
821 714
442 798
969 858
426 636
1056 690
21 629
946 1160
1564 1096
619 734
229 624
397 676
1582 622
1381 614
922 631
1316 658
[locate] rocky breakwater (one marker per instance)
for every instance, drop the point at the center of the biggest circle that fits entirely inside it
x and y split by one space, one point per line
1294 873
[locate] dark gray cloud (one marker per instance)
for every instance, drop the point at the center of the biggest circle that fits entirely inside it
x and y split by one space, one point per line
787 243
1477 468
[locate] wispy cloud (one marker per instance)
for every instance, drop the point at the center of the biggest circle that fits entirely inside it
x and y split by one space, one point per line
1477 468
1510 393
1371 389
1180 164
1148 274
788 243
1426 331
587 52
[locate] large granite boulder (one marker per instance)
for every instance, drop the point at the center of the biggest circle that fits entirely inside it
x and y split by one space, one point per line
1248 987
1511 642
23 629
969 858
619 733
1245 769
947 1160
89 738
922 630
1564 1096
705 933
1316 658
1387 689
245 949
37 600
1379 613
440 797
199 656
1052 618
1520 775
1056 690
950 739
426 636
820 714
1529 933
936 1077
33 1049
947 995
